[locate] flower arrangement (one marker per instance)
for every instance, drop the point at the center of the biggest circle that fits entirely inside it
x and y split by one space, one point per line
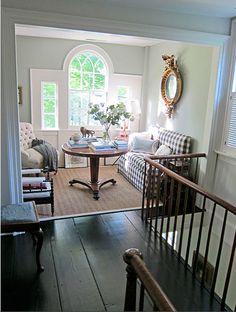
109 115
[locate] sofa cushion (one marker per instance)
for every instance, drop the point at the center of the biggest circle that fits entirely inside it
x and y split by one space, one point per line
31 159
145 135
163 150
144 145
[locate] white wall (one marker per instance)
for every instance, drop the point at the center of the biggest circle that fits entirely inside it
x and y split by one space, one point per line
195 64
45 53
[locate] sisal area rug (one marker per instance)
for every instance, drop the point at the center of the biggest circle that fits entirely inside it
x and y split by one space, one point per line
78 199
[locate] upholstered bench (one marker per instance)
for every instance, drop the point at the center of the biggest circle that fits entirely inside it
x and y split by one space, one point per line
132 164
23 218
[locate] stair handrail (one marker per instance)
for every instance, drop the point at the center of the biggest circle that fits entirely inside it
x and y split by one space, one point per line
190 184
137 268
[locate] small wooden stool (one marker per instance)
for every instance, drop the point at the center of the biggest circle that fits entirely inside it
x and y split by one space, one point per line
23 218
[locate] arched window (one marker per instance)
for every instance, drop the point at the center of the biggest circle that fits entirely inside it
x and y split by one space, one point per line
88 76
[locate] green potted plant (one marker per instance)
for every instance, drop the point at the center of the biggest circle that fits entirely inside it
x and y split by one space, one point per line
109 115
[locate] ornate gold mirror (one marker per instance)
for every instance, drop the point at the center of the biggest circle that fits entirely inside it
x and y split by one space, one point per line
171 83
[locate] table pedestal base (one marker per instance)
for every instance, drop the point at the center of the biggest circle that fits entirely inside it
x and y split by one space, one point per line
94 186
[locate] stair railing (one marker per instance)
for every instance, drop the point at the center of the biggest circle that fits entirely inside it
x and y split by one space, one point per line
198 226
136 268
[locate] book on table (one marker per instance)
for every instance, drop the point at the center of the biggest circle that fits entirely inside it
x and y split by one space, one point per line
120 144
102 145
77 144
89 140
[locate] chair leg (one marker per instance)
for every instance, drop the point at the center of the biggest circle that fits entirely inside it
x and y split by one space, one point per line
39 235
34 239
52 208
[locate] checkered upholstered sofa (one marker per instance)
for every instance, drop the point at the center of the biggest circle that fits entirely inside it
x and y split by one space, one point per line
132 164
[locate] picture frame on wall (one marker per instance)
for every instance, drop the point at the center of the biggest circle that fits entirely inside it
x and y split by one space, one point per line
75 161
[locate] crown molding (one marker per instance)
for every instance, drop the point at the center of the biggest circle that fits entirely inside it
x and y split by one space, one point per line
64 21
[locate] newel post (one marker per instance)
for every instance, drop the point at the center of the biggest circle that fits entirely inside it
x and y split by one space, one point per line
130 293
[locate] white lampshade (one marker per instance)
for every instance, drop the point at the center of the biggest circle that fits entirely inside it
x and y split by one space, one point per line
135 107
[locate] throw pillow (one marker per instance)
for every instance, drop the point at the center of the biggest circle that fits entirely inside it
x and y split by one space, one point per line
132 136
163 150
155 146
144 145
24 156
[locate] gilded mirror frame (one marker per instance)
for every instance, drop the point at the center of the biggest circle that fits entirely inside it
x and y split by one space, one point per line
171 83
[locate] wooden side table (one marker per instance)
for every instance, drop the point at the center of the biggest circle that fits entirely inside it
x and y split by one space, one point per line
94 156
23 218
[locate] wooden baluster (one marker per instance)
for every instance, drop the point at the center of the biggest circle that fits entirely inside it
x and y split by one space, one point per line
164 202
131 284
158 185
179 189
219 254
208 244
191 227
148 194
170 200
141 297
228 273
144 190
199 235
151 186
186 191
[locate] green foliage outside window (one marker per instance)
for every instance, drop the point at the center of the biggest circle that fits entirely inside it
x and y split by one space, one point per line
87 75
49 122
49 100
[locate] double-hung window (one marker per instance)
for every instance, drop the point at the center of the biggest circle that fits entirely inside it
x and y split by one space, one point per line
49 105
230 139
87 84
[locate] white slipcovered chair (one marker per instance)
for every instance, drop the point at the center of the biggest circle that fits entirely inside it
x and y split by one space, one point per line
30 158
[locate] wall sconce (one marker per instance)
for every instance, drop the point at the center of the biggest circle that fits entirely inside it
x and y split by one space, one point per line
20 98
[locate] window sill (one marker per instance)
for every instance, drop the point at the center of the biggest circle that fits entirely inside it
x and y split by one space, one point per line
228 157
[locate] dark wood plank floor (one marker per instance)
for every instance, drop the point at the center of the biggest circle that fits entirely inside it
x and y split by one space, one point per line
84 270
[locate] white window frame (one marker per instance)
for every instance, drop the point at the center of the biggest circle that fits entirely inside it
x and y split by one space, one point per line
56 105
109 71
230 95
105 90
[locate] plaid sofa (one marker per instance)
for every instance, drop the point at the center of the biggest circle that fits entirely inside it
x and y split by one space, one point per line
132 164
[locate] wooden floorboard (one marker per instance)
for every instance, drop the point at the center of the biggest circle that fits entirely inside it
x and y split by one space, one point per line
105 260
75 279
84 269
